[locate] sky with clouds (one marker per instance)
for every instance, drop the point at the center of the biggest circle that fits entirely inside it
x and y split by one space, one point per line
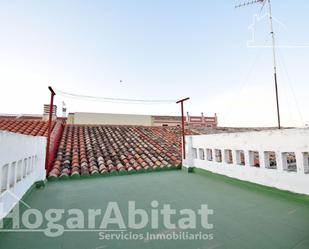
156 49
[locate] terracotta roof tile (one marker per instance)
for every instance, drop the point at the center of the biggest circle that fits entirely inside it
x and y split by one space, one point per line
89 150
25 126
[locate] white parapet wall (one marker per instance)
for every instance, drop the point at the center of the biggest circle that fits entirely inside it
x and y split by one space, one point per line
22 163
274 158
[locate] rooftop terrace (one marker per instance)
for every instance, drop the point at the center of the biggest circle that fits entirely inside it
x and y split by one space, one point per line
245 215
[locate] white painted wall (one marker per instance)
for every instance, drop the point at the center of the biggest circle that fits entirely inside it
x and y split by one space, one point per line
279 141
109 119
22 162
134 119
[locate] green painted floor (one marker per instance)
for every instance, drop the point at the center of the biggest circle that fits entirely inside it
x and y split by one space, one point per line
245 215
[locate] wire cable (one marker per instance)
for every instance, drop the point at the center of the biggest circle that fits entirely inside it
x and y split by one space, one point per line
245 82
113 100
281 59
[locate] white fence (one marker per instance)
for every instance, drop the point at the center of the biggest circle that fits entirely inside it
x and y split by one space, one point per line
22 162
275 158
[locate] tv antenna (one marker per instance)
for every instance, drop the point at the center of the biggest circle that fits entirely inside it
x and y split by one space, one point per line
244 4
64 110
272 33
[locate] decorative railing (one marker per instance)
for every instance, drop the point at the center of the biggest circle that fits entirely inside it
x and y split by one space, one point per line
276 158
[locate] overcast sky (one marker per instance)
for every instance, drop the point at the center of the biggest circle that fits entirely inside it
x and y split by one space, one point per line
159 49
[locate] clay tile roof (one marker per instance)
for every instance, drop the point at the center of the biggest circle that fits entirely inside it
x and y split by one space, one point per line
25 126
89 150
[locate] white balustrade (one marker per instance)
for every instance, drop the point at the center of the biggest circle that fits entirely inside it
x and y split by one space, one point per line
275 158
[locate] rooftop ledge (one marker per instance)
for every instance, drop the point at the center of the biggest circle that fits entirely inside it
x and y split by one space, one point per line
274 158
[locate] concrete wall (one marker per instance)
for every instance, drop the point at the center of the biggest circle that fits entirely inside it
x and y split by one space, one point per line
22 162
110 119
132 119
279 142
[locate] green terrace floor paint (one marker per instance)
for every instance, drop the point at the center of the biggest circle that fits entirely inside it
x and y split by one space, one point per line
245 215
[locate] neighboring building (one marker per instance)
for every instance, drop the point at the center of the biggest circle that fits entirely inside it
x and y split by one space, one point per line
46 109
190 121
202 121
145 120
21 116
108 119
166 121
46 112
44 116
120 119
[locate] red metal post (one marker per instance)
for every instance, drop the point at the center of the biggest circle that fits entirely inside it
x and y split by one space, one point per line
51 108
183 132
183 127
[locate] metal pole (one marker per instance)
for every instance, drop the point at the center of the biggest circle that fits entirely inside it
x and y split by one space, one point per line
183 132
273 47
275 62
51 108
183 127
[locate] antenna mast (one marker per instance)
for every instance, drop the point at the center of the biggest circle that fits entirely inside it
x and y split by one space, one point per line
64 110
273 47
